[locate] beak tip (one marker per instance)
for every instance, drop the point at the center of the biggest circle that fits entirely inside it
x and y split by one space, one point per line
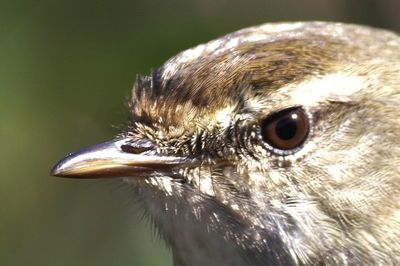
57 170
53 172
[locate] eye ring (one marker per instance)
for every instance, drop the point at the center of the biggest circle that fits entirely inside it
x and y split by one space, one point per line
285 131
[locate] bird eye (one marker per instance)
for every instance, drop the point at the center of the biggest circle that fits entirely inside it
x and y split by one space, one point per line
286 129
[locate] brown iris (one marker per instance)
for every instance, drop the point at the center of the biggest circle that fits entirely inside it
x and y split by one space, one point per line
286 129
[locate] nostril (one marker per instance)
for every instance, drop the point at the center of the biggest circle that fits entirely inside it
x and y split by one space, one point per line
137 147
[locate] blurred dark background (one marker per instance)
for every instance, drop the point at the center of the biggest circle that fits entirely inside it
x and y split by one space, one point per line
66 70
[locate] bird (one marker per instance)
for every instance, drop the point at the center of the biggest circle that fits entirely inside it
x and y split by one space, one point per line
277 144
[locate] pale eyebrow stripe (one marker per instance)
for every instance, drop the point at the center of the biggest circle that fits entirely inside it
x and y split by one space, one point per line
311 92
335 86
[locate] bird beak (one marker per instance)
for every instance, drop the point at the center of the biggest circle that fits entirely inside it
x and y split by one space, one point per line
116 158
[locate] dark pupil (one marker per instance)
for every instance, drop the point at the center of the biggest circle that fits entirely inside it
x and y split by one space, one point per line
286 128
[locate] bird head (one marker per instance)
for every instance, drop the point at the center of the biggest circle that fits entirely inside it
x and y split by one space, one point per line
276 144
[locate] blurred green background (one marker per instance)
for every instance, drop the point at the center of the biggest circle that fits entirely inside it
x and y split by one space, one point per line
66 71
